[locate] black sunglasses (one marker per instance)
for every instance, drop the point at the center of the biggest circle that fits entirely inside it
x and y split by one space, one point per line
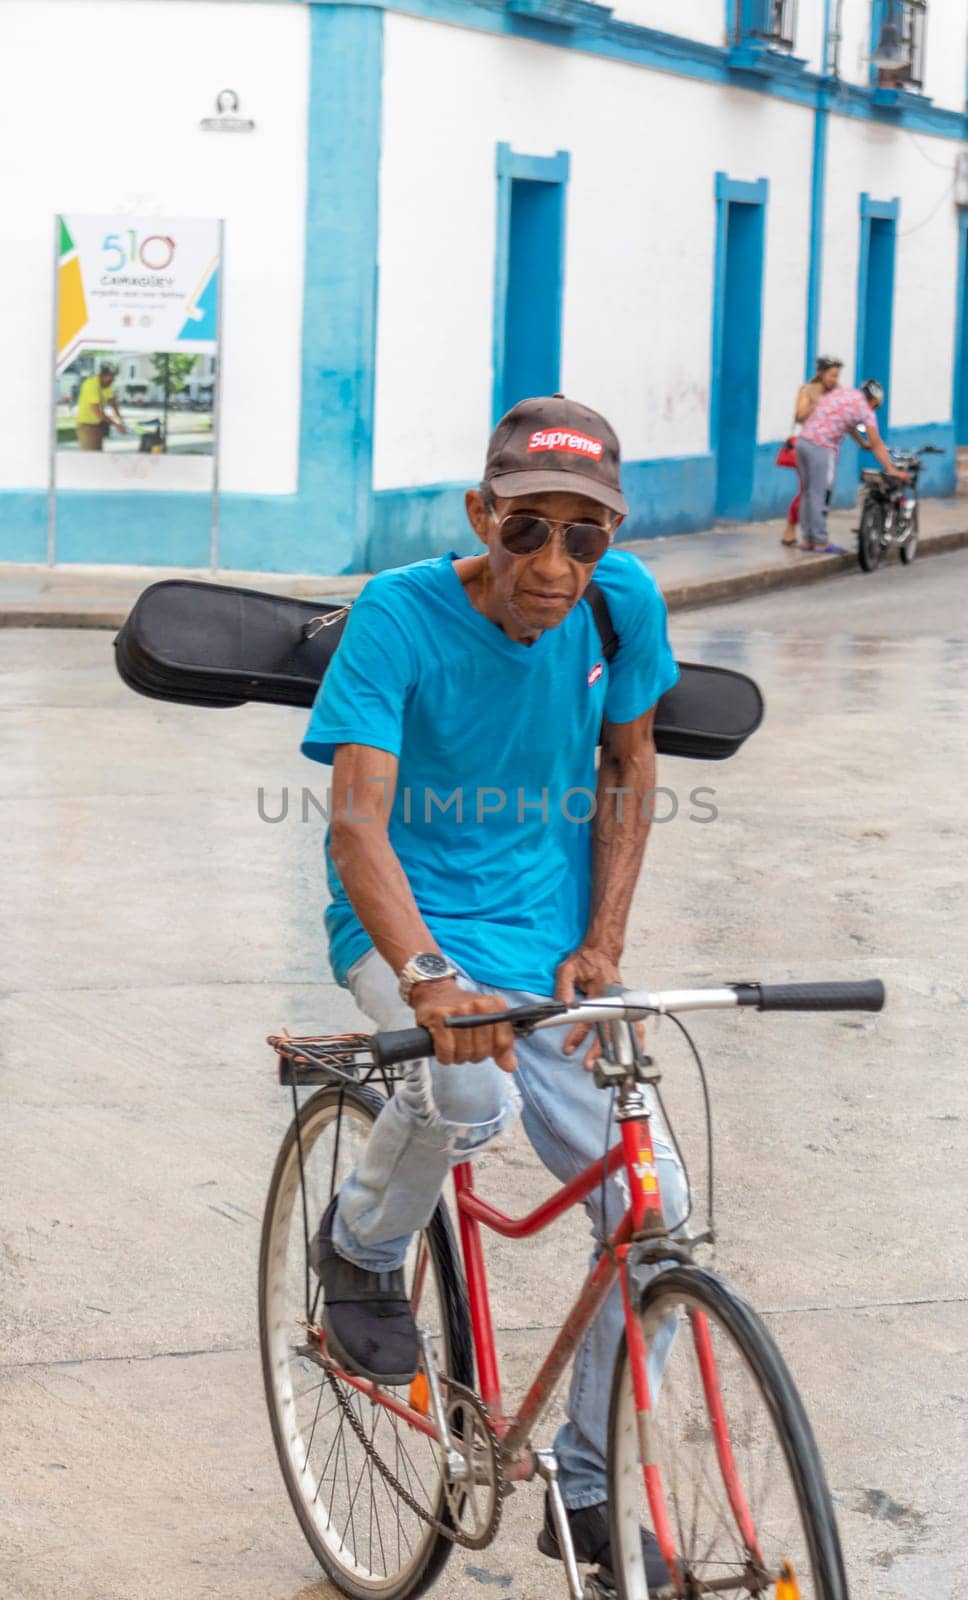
524 534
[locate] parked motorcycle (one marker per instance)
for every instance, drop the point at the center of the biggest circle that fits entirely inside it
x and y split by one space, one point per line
889 509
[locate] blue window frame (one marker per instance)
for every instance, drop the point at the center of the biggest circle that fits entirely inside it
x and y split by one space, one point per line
772 22
899 24
529 276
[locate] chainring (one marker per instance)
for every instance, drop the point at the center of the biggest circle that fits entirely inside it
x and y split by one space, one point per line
473 1435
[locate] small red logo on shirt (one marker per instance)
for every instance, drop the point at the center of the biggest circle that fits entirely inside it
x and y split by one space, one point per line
576 444
595 673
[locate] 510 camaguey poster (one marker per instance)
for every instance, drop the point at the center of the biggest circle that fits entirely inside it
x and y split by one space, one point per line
137 335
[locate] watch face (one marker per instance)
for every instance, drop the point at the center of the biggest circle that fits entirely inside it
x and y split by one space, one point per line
431 966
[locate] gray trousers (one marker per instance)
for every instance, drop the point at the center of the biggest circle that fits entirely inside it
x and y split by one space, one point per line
815 464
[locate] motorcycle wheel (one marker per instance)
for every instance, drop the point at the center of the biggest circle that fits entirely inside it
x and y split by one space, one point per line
869 536
909 549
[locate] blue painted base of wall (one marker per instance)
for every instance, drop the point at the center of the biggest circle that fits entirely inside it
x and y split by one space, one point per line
674 495
23 525
257 533
773 487
269 533
412 524
133 529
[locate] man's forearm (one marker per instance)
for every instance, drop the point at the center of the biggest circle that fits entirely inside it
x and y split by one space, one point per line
379 890
625 795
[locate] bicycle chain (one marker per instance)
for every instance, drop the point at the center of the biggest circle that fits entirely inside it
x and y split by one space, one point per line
446 1529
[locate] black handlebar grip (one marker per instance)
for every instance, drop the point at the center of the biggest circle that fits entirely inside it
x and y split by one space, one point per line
406 1044
868 995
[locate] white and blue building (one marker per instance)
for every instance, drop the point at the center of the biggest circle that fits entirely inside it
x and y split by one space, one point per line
666 208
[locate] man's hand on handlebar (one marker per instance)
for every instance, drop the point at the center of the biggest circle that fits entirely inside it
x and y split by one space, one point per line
593 972
898 472
432 1002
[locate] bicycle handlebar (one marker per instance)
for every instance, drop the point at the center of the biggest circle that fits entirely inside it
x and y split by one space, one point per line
412 1044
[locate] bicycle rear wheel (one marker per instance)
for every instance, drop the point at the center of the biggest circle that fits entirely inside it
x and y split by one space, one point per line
741 1476
367 1538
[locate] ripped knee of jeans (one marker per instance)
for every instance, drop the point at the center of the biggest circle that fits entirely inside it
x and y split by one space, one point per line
459 1109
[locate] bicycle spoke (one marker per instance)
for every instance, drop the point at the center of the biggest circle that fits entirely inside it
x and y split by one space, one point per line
408 1460
346 1468
312 1433
353 1501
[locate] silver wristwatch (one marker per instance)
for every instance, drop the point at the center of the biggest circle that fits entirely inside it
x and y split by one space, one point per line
427 967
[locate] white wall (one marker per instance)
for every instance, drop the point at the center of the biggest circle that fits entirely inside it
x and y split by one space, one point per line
886 162
100 102
855 45
640 241
808 45
946 54
690 19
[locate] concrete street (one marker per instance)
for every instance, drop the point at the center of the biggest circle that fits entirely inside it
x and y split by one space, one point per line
156 930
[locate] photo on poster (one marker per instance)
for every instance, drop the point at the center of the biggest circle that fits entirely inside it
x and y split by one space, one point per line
137 402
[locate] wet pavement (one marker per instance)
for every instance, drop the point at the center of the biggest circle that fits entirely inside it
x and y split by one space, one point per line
156 929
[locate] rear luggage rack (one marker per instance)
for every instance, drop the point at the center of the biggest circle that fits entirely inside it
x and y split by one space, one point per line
327 1058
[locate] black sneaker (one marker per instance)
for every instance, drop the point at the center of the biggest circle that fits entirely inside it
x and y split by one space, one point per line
590 1537
367 1317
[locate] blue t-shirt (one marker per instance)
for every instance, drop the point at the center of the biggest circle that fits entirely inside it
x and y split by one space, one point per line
496 746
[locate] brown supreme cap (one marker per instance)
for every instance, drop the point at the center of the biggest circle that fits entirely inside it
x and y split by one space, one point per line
552 444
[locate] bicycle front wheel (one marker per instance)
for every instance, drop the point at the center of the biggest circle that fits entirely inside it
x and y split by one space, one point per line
342 1455
741 1478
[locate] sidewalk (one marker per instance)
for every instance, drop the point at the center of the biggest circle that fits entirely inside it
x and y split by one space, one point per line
693 569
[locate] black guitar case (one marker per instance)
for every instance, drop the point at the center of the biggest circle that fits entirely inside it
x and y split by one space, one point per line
206 644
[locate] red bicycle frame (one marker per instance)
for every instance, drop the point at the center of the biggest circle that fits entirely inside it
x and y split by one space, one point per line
643 1219
636 1154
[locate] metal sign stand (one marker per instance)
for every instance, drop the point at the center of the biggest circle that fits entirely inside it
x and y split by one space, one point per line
52 451
213 554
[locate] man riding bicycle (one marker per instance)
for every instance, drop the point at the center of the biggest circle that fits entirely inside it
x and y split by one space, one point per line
478 860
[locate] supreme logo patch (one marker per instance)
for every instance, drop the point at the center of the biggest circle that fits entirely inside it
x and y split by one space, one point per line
574 444
595 673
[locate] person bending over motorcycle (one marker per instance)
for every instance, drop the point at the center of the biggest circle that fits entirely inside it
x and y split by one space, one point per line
836 414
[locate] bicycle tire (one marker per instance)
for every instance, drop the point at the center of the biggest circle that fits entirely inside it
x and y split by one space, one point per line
282 1220
739 1335
909 549
869 536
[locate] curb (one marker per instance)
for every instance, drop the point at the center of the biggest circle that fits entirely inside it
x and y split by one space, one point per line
678 597
803 569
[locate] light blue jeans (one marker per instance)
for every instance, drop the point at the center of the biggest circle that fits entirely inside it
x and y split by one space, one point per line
440 1116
